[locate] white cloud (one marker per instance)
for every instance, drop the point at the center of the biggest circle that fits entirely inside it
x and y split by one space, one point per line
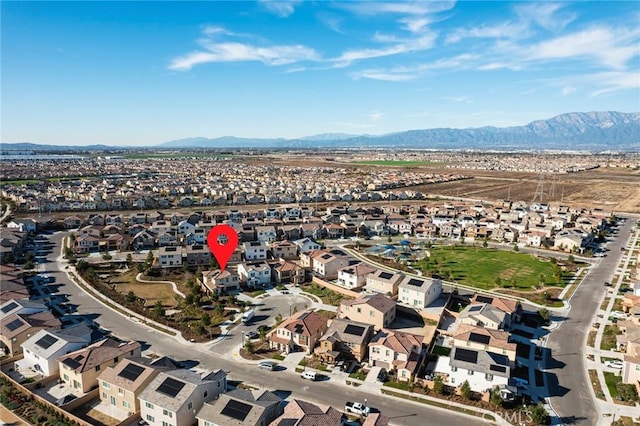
614 81
331 21
404 8
280 8
550 16
383 75
376 115
424 42
567 90
229 51
457 99
503 30
606 46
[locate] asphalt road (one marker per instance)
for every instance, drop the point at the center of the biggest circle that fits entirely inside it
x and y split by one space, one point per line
570 390
220 355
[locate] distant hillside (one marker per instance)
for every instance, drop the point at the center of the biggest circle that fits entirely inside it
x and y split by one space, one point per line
589 131
577 131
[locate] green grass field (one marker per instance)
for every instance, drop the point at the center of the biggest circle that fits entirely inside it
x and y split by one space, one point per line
397 163
479 267
612 380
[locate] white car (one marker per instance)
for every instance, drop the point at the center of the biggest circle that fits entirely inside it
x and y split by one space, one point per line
618 315
616 363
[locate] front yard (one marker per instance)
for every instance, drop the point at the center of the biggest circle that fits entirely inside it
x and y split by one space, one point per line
609 337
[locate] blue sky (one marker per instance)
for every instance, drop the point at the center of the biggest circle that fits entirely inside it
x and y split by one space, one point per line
142 73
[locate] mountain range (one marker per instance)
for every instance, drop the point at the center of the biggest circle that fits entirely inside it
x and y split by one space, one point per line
576 131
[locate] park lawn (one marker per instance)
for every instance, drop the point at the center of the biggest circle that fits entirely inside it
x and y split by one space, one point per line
479 267
151 292
396 163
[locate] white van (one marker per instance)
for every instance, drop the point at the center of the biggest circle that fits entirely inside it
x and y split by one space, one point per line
307 374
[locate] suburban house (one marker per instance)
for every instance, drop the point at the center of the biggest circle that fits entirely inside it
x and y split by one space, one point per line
254 274
241 407
328 264
496 341
42 350
306 245
266 234
344 339
80 369
284 272
254 250
284 250
354 276
120 385
419 292
198 255
375 309
218 281
572 240
511 307
298 412
300 332
398 351
174 397
21 306
170 257
483 315
383 282
482 369
15 329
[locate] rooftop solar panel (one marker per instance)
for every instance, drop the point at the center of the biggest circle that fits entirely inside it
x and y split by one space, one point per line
385 275
475 308
46 341
15 324
479 338
499 368
484 299
10 307
170 387
355 330
71 363
236 409
466 355
415 282
131 372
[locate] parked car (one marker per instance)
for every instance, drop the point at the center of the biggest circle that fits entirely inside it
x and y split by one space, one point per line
309 375
357 408
267 365
251 334
382 375
618 315
616 363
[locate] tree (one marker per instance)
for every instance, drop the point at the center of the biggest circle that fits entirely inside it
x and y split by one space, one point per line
571 259
158 309
485 244
106 256
496 399
515 247
498 282
129 259
150 258
465 390
131 296
28 264
544 314
68 253
205 319
141 267
248 346
438 385
200 329
538 414
262 333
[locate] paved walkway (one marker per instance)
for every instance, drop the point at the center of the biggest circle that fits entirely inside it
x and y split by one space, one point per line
175 287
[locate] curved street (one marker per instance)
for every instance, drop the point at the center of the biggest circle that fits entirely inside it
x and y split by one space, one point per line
223 354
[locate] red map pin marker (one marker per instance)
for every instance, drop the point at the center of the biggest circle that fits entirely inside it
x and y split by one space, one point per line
222 241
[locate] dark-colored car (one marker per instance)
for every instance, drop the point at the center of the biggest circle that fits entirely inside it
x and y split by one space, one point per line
382 375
